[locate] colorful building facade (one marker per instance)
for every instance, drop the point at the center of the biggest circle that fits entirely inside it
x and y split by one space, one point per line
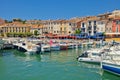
15 27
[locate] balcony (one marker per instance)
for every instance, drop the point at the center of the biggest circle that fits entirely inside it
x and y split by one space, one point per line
82 28
89 27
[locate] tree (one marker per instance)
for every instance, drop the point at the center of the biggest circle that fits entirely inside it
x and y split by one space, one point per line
77 31
7 21
103 33
35 32
28 34
19 20
24 21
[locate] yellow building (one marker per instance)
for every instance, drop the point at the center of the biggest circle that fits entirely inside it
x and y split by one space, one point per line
60 27
15 27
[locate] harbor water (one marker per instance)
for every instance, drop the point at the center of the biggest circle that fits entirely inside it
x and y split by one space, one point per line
55 65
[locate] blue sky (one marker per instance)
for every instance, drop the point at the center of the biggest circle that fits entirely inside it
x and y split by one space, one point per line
55 9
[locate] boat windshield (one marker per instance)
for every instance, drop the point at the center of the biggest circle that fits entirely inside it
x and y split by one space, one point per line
96 54
85 54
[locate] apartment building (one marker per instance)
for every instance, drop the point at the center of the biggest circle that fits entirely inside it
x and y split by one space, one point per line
47 26
59 27
116 26
89 25
15 27
36 27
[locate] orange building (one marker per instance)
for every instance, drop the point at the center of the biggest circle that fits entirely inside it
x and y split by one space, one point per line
116 26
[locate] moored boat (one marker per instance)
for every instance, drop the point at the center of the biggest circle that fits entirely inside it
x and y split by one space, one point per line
91 56
111 62
63 46
55 47
45 48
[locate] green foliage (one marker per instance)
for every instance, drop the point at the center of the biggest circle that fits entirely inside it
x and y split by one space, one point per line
28 34
35 32
2 34
103 33
18 34
24 21
7 21
77 31
19 20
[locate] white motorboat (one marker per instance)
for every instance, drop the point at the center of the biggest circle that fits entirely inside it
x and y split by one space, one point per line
70 45
45 48
91 56
28 48
55 47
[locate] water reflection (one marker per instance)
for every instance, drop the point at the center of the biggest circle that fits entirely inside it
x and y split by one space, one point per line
20 55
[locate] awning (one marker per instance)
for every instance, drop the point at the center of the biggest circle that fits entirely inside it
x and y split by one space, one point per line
111 33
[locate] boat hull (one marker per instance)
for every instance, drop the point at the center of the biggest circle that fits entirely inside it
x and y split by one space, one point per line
55 48
90 60
111 68
63 48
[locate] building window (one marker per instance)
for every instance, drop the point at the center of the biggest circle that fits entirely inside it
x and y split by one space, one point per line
110 30
94 32
64 28
89 32
94 22
89 22
51 27
70 24
95 28
60 29
89 28
117 22
117 30
83 25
